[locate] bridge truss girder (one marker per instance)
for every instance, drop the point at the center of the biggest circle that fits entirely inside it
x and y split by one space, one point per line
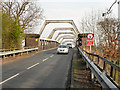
56 29
65 36
65 33
69 41
58 21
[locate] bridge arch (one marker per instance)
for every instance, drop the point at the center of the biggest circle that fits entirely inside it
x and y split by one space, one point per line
55 29
68 41
65 33
58 21
65 36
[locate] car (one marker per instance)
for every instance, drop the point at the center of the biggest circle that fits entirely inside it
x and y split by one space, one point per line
69 45
63 49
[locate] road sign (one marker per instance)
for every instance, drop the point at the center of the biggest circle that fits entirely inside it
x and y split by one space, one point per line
90 36
90 42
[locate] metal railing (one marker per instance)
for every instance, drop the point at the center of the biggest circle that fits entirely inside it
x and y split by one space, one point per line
108 78
3 54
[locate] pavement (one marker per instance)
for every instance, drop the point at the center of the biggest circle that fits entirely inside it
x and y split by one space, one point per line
43 70
81 75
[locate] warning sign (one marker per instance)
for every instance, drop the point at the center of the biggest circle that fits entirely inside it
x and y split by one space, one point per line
90 42
90 36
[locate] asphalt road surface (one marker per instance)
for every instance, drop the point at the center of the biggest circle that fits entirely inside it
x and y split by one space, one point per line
43 70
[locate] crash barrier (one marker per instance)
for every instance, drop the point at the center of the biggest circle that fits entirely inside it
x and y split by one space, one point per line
44 44
108 78
14 52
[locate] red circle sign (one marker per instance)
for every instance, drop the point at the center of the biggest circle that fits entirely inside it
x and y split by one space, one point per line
90 36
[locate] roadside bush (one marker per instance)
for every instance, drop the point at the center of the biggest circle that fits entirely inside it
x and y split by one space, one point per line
12 33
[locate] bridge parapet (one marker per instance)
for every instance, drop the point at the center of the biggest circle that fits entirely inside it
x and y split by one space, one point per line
45 43
34 40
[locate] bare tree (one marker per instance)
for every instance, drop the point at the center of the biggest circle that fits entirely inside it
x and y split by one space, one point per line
89 24
105 31
27 12
109 28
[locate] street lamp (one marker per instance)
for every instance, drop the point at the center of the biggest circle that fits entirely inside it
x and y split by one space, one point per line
109 10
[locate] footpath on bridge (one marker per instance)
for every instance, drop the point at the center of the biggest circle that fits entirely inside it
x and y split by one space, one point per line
81 75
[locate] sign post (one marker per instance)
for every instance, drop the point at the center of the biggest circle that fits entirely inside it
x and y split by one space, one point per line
90 41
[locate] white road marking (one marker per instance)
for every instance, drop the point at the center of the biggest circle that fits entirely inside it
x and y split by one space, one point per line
33 66
9 78
45 59
19 73
51 55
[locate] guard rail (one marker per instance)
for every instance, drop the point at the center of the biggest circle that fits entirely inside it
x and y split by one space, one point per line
3 54
100 73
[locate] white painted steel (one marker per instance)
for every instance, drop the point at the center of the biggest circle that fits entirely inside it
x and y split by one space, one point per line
17 51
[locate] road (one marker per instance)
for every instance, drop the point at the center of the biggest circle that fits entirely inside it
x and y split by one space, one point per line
43 70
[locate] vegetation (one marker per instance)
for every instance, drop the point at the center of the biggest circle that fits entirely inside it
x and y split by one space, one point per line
106 40
18 17
105 34
12 33
109 28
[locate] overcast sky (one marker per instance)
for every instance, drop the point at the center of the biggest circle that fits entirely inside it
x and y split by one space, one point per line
70 10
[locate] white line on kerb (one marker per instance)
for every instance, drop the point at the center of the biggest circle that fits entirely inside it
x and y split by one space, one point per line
45 59
33 66
51 55
9 78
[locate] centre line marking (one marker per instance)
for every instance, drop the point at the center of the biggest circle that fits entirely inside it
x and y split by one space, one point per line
51 55
45 59
9 78
33 66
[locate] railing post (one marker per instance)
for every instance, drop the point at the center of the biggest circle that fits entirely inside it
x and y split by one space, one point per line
92 58
114 78
117 73
14 53
111 71
4 55
92 76
104 66
98 61
27 52
113 75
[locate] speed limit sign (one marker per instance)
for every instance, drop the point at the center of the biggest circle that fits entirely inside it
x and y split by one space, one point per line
90 36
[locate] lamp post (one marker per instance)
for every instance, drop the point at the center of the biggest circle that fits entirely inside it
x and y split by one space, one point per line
109 10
